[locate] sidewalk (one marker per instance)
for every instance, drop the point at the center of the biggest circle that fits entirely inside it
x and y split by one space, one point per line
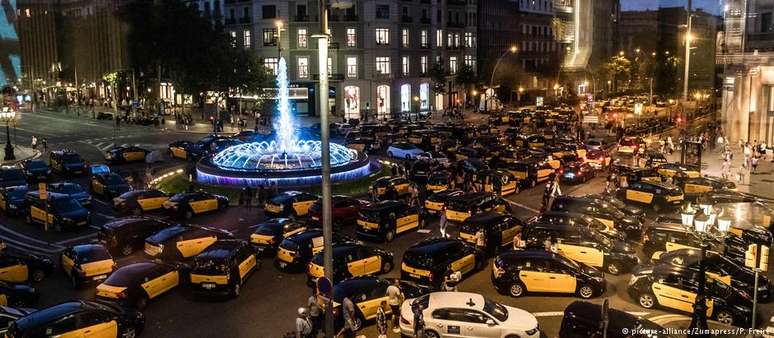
21 153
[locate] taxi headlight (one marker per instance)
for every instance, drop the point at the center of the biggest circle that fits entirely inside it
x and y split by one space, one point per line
11 206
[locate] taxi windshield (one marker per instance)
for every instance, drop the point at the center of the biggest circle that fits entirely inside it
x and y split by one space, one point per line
65 205
495 309
69 157
88 256
611 210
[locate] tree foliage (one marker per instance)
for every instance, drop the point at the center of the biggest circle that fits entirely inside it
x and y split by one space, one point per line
438 77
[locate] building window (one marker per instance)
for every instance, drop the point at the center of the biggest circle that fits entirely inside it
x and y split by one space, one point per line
382 101
383 65
449 40
233 38
271 64
269 11
456 40
423 38
382 36
404 37
301 11
246 37
453 64
470 61
468 39
302 40
303 67
424 96
405 65
352 102
382 11
439 38
269 36
352 66
405 97
330 65
351 37
423 64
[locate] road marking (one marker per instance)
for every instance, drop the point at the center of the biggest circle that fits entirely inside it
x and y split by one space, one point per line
664 319
23 236
26 246
524 206
561 313
423 231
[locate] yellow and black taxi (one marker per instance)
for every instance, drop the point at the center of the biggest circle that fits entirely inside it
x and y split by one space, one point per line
459 208
583 320
179 149
13 200
134 284
194 203
268 235
223 268
720 268
676 287
351 260
670 170
657 195
182 241
500 182
67 162
367 293
71 189
498 229
613 218
36 170
630 145
17 295
290 204
437 181
576 172
598 159
137 202
87 263
666 236
79 318
519 272
108 185
124 235
21 267
579 220
8 315
583 245
389 188
428 262
695 186
437 201
382 221
126 154
295 251
654 159
535 142
635 174
58 211
629 210
531 171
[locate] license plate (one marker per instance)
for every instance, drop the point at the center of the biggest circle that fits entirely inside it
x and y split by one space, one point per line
315 218
100 277
283 265
208 286
82 223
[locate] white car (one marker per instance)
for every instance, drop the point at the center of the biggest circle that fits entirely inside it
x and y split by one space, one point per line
434 156
463 314
404 150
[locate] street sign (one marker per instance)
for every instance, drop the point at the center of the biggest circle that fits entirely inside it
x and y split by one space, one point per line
42 191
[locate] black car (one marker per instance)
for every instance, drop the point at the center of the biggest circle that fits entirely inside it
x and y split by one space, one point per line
519 272
18 295
695 186
8 315
203 147
676 287
436 202
223 267
720 268
629 210
36 170
576 172
74 318
126 154
583 319
382 221
13 200
59 212
267 235
351 260
125 235
67 162
604 212
73 190
10 177
134 284
295 252
428 262
498 229
180 242
108 185
579 220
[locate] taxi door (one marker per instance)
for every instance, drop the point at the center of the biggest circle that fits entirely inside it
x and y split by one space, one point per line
508 231
37 213
179 152
192 247
198 204
696 188
581 252
302 207
402 188
134 155
560 278
3 300
166 282
13 270
639 196
535 276
151 203
406 220
671 295
96 330
463 264
355 263
246 266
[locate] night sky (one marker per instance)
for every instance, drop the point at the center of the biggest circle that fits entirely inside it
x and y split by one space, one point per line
712 6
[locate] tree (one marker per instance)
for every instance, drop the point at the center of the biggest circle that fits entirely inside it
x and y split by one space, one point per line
618 68
438 77
466 78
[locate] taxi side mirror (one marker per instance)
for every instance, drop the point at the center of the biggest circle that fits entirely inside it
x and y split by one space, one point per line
490 322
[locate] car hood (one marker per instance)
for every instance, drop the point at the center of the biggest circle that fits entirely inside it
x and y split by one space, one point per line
518 318
76 214
632 210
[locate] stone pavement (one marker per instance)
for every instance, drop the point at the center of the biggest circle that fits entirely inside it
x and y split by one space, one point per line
21 153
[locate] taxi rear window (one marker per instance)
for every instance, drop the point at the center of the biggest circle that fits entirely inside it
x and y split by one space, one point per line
423 259
209 265
93 256
289 245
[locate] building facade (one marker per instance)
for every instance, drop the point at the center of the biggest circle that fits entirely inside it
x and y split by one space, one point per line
381 52
526 25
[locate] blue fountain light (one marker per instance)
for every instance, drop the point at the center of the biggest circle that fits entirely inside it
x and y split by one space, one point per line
284 161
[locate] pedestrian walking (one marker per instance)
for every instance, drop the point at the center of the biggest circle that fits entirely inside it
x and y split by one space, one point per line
754 163
34 143
419 320
381 320
518 242
395 298
44 143
726 168
314 312
443 221
348 313
546 197
303 324
481 239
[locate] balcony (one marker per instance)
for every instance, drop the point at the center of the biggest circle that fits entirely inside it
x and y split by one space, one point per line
245 19
406 19
331 77
425 21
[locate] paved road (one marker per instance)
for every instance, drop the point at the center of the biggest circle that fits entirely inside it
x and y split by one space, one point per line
267 305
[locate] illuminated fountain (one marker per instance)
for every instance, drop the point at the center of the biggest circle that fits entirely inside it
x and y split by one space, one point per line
284 161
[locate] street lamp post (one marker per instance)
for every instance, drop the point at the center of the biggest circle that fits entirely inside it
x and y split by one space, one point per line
511 50
7 114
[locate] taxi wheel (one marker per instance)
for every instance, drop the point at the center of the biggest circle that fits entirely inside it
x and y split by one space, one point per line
357 323
725 317
613 268
585 291
222 206
127 249
517 289
431 334
37 275
389 236
646 300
